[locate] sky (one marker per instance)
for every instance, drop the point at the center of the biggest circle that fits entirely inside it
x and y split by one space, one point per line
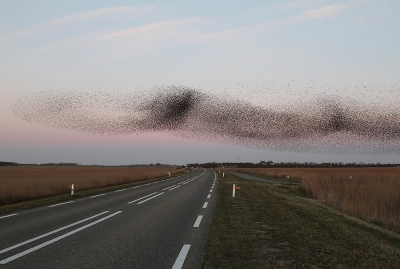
349 48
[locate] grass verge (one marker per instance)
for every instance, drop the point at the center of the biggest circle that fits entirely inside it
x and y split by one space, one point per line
276 226
5 209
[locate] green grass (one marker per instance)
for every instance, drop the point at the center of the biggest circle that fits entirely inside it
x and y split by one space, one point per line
276 226
6 209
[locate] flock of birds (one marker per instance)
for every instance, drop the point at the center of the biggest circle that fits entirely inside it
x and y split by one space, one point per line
362 122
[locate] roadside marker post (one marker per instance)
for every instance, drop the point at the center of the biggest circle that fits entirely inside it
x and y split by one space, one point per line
169 174
233 190
223 174
72 189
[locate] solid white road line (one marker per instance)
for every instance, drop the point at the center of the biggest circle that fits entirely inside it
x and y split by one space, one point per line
8 216
197 222
174 188
181 257
97 195
23 253
49 233
149 198
61 204
205 205
141 198
209 196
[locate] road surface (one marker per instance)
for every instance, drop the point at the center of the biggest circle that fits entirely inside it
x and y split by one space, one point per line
163 224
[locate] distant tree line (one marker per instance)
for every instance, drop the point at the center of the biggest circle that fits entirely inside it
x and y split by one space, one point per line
8 164
289 165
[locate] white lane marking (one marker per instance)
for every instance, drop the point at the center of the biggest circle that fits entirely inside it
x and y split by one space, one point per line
149 198
197 222
141 198
174 188
97 195
181 257
212 187
120 190
49 233
61 204
205 205
8 216
209 196
169 187
210 190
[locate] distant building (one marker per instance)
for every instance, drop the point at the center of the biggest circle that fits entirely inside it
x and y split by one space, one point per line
269 163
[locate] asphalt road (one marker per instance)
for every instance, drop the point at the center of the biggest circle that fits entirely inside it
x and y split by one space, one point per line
254 178
164 224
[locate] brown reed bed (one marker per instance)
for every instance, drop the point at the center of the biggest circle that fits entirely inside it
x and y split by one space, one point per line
23 183
371 194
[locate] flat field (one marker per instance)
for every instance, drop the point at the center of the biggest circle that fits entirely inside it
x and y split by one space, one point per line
23 183
277 226
371 194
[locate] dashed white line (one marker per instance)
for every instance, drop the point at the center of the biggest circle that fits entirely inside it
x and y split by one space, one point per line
174 188
181 257
150 198
141 198
8 216
205 205
97 195
23 253
209 196
120 190
61 204
169 187
210 190
197 222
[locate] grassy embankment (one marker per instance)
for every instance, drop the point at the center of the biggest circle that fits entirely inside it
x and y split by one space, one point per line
277 226
31 186
372 194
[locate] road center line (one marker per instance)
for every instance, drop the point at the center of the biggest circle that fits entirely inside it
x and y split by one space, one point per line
205 205
209 196
8 216
149 198
142 198
49 233
174 188
210 190
197 222
61 204
181 257
169 187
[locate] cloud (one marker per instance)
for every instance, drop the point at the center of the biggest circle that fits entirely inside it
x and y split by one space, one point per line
229 36
53 25
137 40
299 4
319 13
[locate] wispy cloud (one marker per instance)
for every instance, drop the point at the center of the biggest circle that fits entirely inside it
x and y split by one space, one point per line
299 4
73 18
228 36
143 38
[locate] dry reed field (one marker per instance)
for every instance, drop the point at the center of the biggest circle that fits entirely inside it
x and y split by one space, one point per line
22 183
371 194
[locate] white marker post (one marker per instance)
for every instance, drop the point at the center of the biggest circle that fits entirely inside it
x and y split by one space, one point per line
169 174
223 174
72 189
233 190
